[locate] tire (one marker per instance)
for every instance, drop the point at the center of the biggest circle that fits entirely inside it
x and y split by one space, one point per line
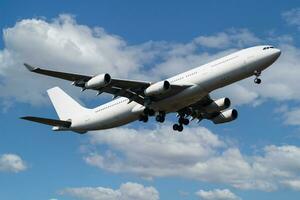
160 119
145 119
180 128
181 120
151 112
175 127
186 121
257 80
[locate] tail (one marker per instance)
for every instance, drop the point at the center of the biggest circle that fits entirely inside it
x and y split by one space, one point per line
65 107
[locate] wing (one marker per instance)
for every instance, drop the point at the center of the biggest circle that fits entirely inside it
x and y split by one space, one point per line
131 89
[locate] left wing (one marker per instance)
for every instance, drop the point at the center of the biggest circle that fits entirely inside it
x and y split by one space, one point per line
131 89
117 87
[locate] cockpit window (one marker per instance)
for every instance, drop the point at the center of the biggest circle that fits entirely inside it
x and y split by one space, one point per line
270 47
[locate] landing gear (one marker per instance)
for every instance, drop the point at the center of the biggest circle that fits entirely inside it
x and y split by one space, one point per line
161 117
257 80
257 74
144 118
181 121
149 112
177 127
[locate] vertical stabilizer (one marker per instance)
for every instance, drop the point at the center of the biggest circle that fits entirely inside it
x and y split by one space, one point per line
66 107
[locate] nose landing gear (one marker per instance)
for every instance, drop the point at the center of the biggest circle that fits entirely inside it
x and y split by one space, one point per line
257 74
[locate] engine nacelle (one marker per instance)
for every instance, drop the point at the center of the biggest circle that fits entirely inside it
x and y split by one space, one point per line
157 88
226 116
98 81
218 105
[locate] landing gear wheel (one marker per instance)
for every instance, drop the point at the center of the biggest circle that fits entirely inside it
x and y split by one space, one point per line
160 118
180 128
186 121
257 80
144 118
151 112
175 127
257 74
181 120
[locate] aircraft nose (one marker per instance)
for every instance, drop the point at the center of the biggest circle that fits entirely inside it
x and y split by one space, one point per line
276 53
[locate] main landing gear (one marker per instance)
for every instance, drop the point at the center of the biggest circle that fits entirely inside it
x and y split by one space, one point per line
160 117
181 121
145 116
257 74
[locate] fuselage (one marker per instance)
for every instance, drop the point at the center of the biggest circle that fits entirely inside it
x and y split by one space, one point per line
204 79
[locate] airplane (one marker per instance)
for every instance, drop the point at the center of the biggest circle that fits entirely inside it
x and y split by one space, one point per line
187 94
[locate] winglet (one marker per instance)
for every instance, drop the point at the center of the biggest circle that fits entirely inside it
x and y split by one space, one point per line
29 67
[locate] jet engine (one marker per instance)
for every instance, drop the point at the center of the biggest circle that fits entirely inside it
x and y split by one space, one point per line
217 105
157 88
98 81
225 116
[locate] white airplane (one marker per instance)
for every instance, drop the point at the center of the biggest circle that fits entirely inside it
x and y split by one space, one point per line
186 94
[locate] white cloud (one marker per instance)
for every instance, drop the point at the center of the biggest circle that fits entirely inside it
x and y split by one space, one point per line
289 115
293 184
232 38
292 117
62 45
11 163
292 16
127 191
196 154
217 194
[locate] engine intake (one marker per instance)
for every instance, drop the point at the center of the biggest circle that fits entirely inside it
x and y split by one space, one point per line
225 116
157 88
218 105
98 81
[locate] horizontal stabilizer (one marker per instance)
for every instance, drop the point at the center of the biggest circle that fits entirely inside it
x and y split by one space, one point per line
51 122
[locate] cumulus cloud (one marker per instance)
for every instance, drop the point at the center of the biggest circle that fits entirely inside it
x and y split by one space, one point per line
196 154
290 115
61 44
217 194
292 16
232 38
127 191
11 163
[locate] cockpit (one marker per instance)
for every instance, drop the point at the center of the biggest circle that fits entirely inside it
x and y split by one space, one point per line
268 47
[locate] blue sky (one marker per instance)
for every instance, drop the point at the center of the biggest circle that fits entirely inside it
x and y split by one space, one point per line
256 156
